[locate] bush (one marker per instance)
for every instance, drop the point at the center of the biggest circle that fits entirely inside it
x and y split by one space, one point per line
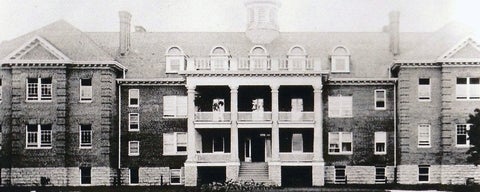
231 185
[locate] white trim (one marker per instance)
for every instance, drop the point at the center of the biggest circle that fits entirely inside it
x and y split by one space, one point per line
250 53
42 42
227 52
469 40
468 87
418 173
377 140
131 96
39 90
289 53
129 148
467 145
340 141
174 46
180 176
175 144
39 137
86 88
419 87
85 184
384 99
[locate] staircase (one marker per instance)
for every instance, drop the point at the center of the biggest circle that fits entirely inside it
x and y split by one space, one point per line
257 172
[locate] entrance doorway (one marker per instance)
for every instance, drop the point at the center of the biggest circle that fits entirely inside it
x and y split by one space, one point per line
255 145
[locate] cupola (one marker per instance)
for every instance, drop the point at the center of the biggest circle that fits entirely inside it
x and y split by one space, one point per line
262 22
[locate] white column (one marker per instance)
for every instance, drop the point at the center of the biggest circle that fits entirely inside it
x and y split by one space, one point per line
275 129
191 145
318 130
234 127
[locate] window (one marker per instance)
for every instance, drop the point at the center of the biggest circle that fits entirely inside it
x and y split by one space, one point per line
133 122
340 106
340 176
218 144
423 135
1 90
380 99
380 143
380 174
340 60
175 176
175 60
340 143
175 106
175 143
133 97
297 142
219 59
134 178
468 88
85 136
462 135
86 90
133 148
39 89
424 89
39 136
423 173
85 175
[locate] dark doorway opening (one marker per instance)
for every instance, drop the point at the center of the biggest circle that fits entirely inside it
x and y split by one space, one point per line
211 174
254 145
300 176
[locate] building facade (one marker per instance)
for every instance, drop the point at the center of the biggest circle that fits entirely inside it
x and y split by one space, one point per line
289 109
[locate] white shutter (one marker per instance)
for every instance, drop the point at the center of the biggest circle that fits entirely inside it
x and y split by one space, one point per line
169 106
297 142
333 108
474 88
380 137
182 107
346 103
169 144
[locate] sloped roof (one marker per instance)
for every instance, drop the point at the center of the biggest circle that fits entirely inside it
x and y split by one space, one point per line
66 38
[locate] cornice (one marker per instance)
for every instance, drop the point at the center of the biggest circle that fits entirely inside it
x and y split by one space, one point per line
362 81
61 63
253 73
151 82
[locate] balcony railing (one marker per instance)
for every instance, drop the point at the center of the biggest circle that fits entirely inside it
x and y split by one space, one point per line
213 157
297 157
212 117
254 116
252 64
296 116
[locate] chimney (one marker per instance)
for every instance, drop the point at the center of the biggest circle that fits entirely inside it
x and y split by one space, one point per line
124 44
140 29
394 28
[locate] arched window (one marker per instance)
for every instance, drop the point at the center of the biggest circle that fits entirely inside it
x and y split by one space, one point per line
175 59
296 59
219 58
258 58
340 60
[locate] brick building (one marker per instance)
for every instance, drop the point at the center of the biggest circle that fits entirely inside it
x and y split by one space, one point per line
160 108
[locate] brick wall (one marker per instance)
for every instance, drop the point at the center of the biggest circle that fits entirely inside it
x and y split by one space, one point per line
366 120
152 127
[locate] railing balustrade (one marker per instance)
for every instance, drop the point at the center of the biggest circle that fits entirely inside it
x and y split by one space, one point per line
212 116
254 116
296 116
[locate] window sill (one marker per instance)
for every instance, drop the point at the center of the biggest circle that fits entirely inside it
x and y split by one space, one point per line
340 153
341 117
380 153
38 148
133 130
462 146
133 105
424 100
176 184
424 147
86 147
339 71
38 101
133 155
380 109
180 117
85 101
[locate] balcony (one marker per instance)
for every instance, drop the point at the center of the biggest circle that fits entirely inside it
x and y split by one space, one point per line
212 117
252 64
213 157
254 116
296 116
296 157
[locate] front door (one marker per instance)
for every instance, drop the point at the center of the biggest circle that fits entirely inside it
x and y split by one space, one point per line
247 149
258 149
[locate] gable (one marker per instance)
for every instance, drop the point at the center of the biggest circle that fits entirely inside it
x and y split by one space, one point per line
467 49
37 49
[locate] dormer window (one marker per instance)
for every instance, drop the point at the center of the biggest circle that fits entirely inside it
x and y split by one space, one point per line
296 59
219 59
175 60
258 58
340 60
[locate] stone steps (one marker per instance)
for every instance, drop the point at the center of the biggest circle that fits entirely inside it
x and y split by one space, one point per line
258 172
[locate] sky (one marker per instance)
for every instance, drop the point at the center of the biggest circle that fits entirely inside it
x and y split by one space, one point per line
20 17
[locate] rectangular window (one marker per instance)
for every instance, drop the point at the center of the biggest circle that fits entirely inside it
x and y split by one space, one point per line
340 143
39 89
462 135
297 142
423 173
340 106
1 90
86 93
134 178
39 136
341 63
175 176
380 174
468 88
133 148
424 135
133 97
175 64
380 143
424 89
85 175
380 99
133 122
340 176
175 106
218 144
85 136
175 143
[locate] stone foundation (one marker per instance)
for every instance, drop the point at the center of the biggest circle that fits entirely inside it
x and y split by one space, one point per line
408 174
318 174
58 176
275 173
191 174
458 174
232 171
148 176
